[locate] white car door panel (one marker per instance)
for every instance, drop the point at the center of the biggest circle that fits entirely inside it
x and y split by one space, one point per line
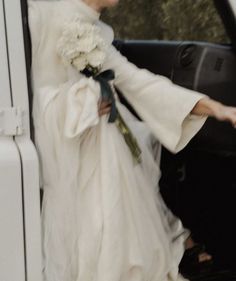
12 259
20 243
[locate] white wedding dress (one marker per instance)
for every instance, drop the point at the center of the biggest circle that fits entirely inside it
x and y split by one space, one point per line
103 218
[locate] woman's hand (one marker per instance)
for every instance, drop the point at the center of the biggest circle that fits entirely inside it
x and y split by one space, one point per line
104 107
221 112
226 113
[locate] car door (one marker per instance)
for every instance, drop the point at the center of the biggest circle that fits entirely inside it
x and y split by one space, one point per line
199 183
20 244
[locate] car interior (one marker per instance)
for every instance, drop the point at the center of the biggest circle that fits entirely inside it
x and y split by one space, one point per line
199 183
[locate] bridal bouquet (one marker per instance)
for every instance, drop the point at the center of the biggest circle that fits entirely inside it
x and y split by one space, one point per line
82 46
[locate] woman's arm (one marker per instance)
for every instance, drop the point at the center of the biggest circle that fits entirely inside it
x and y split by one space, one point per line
164 106
209 107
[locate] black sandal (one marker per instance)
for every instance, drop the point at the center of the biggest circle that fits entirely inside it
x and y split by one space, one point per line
190 265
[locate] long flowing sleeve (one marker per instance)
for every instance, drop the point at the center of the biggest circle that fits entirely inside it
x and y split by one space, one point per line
165 107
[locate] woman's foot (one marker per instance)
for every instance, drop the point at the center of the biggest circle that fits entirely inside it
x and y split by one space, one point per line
202 257
196 261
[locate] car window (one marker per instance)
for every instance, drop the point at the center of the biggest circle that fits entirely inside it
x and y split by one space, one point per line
167 20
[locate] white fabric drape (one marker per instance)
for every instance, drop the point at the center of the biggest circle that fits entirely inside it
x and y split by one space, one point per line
103 217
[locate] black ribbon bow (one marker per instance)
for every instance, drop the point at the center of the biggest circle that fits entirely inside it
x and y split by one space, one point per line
106 91
107 94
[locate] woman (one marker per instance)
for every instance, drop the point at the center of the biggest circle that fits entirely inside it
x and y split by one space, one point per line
103 218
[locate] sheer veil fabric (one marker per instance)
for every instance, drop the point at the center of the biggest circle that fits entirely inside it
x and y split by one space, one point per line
103 218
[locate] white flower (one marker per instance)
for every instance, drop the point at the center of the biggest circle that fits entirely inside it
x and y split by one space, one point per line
80 62
81 45
95 58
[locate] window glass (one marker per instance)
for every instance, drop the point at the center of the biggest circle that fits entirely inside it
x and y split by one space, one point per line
167 20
